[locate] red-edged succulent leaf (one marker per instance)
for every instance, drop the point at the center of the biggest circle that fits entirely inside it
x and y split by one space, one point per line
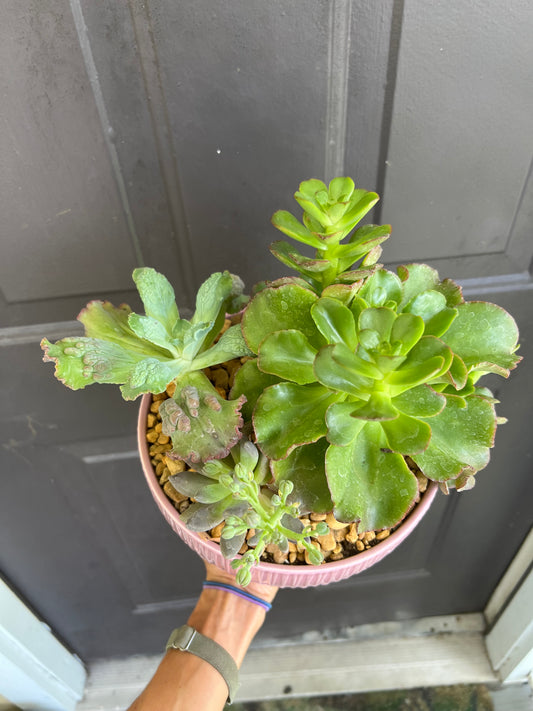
369 484
278 309
288 415
305 468
289 355
250 382
484 335
461 437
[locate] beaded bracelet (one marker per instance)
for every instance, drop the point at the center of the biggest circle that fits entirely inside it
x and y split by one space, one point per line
240 593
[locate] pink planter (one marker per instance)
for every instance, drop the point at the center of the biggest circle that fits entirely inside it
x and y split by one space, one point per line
286 576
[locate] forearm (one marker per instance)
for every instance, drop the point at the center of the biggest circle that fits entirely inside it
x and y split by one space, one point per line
183 681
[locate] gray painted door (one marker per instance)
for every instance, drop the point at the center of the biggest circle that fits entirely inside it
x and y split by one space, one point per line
166 133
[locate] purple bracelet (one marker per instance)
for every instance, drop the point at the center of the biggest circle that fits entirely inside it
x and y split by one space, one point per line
240 593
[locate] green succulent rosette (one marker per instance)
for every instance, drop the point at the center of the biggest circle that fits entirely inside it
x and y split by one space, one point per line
366 376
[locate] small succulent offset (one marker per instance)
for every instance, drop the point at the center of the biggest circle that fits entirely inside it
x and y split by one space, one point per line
352 372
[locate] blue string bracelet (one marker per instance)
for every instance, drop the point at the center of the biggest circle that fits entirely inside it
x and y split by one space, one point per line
240 593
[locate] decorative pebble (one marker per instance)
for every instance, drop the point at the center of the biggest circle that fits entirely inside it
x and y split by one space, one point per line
382 535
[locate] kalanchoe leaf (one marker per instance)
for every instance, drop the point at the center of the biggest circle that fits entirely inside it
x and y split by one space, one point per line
151 330
343 427
213 294
378 407
334 321
230 345
286 307
289 225
368 484
289 355
304 467
438 324
458 373
287 415
421 401
373 257
482 335
363 273
292 258
427 304
151 376
202 424
406 435
407 329
341 189
250 382
344 293
461 437
157 296
380 320
339 370
416 278
452 292
382 286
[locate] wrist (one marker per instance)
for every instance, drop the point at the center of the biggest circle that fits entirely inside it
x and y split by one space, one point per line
227 619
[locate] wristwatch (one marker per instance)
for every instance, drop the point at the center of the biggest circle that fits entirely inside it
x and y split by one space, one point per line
187 639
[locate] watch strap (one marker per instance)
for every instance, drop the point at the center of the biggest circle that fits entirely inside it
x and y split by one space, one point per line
187 639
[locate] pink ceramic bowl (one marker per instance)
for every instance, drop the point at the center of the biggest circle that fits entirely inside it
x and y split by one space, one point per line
285 576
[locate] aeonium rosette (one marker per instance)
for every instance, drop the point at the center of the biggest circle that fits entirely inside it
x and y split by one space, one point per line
348 383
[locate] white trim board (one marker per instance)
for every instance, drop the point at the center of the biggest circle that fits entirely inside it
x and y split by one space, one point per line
36 671
401 655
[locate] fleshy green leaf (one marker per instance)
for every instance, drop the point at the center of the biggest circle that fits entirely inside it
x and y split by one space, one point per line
230 345
305 468
286 307
291 226
104 321
408 329
421 401
157 296
289 355
250 382
378 407
151 376
198 487
341 189
229 547
82 361
338 370
460 438
438 324
287 415
292 258
334 321
212 297
367 484
202 517
381 287
484 333
427 304
416 278
342 427
148 328
380 320
202 424
407 435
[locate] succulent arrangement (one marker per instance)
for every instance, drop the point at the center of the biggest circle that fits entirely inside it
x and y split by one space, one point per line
349 369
